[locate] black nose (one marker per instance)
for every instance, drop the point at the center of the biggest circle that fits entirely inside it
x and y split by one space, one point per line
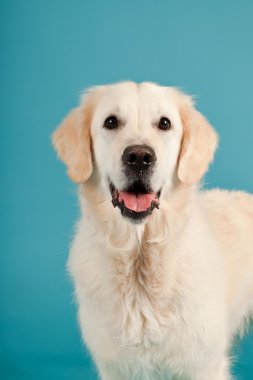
139 157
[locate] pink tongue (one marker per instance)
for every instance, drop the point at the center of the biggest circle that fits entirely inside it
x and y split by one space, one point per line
137 203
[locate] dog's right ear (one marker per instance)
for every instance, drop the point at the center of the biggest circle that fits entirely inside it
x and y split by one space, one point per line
73 143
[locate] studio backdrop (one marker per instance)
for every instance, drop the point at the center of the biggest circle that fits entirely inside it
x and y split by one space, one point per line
50 51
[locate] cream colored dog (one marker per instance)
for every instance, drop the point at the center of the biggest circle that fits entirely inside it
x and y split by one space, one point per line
163 272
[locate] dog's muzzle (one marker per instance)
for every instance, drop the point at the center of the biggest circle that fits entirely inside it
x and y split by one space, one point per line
137 200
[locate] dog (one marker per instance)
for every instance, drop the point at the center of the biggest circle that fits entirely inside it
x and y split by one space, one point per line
162 269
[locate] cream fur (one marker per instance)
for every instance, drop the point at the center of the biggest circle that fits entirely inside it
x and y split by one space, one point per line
163 299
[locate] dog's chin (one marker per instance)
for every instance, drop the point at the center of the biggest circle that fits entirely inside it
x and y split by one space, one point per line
136 202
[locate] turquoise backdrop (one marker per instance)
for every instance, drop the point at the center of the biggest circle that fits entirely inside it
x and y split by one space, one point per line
51 50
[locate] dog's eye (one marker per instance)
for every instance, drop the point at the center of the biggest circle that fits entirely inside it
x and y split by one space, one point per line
164 124
111 122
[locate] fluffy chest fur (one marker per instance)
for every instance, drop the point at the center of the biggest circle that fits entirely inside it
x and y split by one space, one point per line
135 292
130 286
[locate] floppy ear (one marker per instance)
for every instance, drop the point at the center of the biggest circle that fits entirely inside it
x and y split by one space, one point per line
198 145
72 143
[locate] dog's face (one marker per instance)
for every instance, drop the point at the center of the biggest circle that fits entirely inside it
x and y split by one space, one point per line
136 136
144 139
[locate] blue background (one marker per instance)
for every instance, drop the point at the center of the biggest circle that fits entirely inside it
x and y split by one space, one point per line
51 50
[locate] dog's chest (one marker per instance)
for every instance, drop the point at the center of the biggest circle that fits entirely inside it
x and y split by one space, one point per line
132 305
142 304
140 326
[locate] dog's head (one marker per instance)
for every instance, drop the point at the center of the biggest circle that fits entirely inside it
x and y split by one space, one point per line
139 141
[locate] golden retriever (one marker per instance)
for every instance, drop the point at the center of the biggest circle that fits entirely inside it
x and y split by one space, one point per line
163 271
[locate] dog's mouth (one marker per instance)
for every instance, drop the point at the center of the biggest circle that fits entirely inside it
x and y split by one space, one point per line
135 202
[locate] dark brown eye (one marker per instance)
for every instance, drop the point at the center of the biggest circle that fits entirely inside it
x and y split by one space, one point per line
111 122
164 124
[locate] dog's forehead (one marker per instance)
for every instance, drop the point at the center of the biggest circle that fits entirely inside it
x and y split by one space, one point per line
136 99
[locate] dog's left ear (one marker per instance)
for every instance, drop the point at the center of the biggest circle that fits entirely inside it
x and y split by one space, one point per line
198 145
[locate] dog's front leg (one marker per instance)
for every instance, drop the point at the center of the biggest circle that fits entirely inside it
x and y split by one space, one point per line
222 373
107 373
